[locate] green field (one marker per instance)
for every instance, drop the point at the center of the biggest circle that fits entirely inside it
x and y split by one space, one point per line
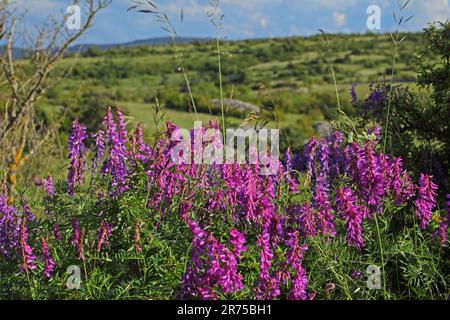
288 75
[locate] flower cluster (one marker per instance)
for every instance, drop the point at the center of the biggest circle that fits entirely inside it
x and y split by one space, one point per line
77 154
49 263
103 234
372 107
28 258
115 164
46 184
426 200
441 231
353 213
226 208
213 266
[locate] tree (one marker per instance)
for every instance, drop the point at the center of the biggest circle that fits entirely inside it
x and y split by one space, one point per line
21 131
436 76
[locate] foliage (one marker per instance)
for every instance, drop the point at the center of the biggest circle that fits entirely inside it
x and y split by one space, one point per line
140 225
437 77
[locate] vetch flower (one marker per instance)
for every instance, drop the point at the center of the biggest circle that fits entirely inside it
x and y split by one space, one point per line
49 263
323 208
346 202
441 230
426 200
57 232
237 240
99 149
28 257
115 165
76 233
353 95
103 235
77 153
137 238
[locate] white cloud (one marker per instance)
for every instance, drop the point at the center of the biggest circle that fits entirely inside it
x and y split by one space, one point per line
190 8
263 22
326 4
431 10
339 19
251 4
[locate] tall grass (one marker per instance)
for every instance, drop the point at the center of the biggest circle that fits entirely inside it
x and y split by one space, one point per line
399 20
162 18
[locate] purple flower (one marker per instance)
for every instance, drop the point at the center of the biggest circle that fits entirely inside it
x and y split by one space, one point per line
309 156
353 93
99 150
336 155
213 266
426 200
346 202
77 152
122 127
267 288
323 208
290 178
305 219
376 131
356 274
372 179
47 184
117 157
57 232
250 195
401 184
76 233
293 261
143 152
299 285
28 257
237 240
373 106
49 263
37 182
27 212
9 225
368 171
103 235
288 160
441 230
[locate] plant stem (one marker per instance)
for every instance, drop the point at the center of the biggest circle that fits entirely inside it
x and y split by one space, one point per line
338 277
336 88
219 61
180 61
381 256
333 74
386 129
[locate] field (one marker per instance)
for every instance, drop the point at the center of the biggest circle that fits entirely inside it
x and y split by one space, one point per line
291 72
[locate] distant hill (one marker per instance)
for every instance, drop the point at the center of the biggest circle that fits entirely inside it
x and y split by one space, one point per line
136 43
19 53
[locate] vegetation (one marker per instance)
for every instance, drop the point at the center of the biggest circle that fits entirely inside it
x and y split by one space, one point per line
359 209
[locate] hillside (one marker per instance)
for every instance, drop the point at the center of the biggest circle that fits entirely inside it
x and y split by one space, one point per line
290 74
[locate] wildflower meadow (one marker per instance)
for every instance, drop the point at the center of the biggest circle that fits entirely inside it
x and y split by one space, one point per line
97 204
137 224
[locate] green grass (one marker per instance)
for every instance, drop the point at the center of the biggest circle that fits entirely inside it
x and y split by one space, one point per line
139 74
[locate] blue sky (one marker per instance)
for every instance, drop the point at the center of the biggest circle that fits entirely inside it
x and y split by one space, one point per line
242 18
